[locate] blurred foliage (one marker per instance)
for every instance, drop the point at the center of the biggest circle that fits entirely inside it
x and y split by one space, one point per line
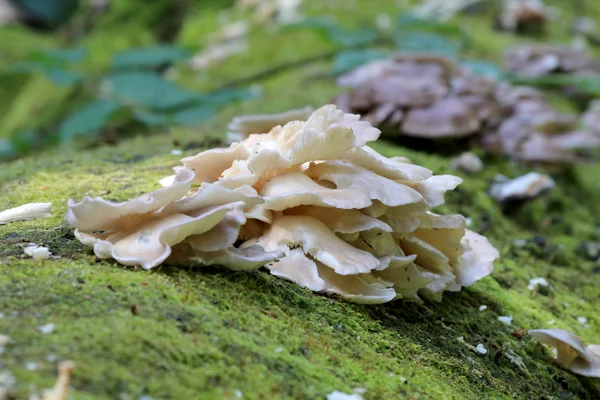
132 81
46 14
132 89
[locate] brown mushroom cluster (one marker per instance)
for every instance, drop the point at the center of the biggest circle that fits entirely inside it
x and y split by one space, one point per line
535 60
433 98
308 200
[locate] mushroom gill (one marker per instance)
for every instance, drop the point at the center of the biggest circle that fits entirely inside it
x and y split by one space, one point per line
311 202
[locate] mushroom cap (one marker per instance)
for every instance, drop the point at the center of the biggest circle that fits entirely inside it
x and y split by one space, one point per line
242 127
540 60
447 117
96 214
405 92
427 64
571 352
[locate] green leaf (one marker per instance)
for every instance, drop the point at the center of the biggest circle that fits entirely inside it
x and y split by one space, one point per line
151 118
58 75
409 22
149 57
188 116
319 24
51 13
7 148
350 59
484 68
227 96
333 32
348 38
88 119
193 115
64 78
148 89
426 43
72 55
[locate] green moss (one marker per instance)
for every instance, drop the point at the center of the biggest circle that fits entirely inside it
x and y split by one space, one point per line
209 332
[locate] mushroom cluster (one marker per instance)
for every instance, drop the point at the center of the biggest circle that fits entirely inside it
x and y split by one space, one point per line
433 98
310 201
546 59
535 131
420 95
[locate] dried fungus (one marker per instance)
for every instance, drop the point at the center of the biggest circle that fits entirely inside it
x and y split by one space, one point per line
311 202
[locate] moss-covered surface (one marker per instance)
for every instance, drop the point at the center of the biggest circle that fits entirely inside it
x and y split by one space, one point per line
203 333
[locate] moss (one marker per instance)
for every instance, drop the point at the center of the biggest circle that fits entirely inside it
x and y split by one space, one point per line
207 332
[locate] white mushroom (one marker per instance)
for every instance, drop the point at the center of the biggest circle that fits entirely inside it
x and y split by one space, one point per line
309 201
571 352
242 127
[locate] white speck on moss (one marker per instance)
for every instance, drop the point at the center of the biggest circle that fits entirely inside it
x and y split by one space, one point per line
520 242
506 320
515 359
37 252
239 394
176 152
337 395
536 283
46 329
583 321
480 349
482 308
279 350
31 366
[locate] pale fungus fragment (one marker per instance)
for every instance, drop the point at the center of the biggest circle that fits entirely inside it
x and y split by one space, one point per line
61 388
518 15
524 187
26 212
37 252
481 349
571 352
308 200
467 162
